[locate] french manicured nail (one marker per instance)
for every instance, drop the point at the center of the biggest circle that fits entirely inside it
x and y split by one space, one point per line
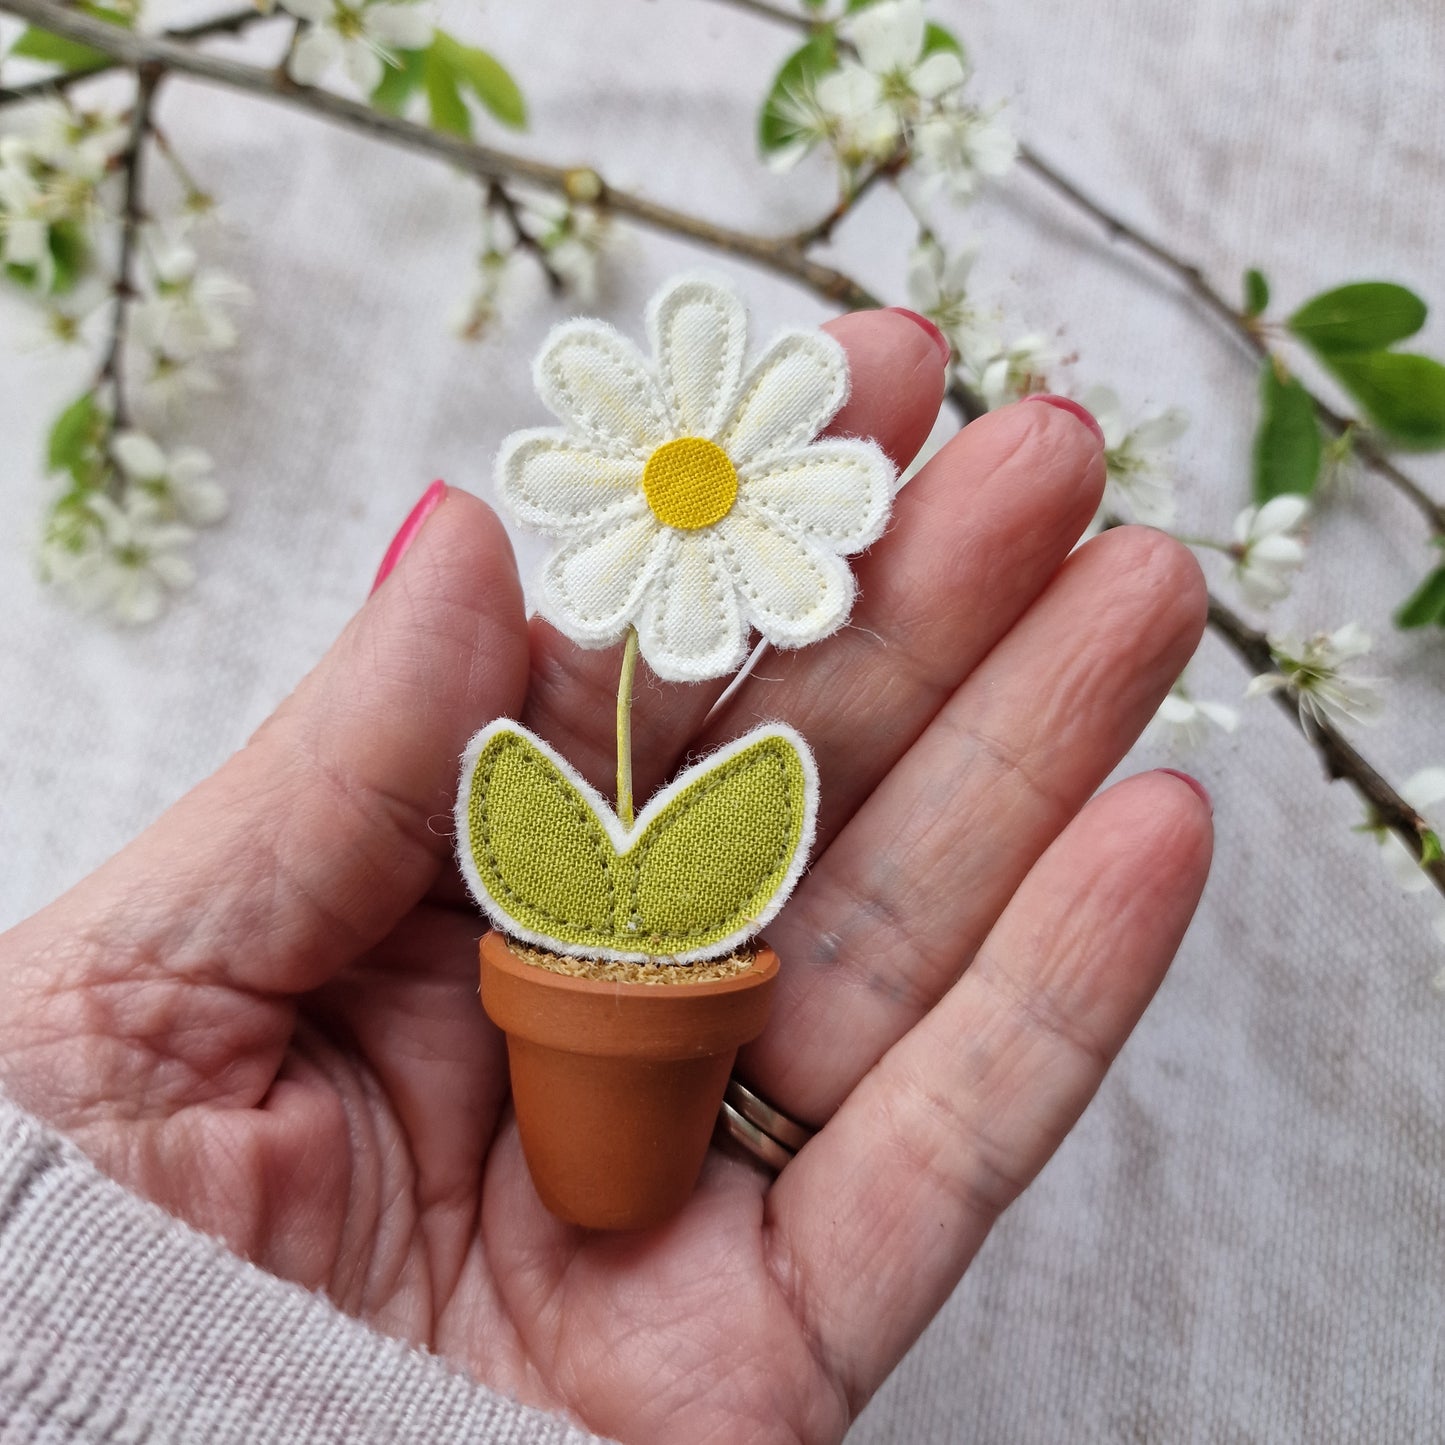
407 533
1068 404
1194 783
935 335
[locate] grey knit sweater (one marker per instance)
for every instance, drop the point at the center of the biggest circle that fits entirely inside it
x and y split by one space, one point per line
119 1324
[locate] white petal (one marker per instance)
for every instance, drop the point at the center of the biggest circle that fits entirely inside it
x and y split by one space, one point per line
889 36
549 482
937 75
838 491
138 598
848 92
699 334
595 381
139 456
1425 788
203 502
690 627
1180 711
1266 682
406 27
1102 403
790 395
1400 863
1161 430
176 572
363 65
1349 641
1280 514
314 55
792 593
313 10
27 241
1220 715
925 271
1278 552
592 587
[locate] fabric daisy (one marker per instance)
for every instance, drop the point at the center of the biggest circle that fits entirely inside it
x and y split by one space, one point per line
691 496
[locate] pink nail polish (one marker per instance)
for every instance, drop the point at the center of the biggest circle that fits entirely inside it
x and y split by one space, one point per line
1068 404
1194 783
935 335
407 533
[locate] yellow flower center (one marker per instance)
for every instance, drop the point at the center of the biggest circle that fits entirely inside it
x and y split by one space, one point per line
690 483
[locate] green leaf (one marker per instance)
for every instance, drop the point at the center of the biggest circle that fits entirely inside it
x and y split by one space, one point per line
1287 442
1430 849
75 439
1427 604
485 76
550 861
400 81
110 16
444 99
804 66
1402 394
36 44
1365 316
71 253
936 38
1256 293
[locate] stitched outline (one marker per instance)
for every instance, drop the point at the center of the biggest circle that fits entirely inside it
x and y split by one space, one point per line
612 343
623 841
663 320
833 364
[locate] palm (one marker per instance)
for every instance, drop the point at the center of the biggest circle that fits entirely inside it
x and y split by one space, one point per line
292 1056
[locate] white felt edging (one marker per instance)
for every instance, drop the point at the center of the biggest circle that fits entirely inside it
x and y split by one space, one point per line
623 839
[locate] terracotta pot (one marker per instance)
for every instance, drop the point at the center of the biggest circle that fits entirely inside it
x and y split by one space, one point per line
617 1086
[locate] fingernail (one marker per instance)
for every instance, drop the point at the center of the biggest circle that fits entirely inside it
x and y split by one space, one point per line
1068 404
1193 783
407 533
937 337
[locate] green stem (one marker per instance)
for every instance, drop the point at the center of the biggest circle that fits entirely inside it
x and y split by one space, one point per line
624 729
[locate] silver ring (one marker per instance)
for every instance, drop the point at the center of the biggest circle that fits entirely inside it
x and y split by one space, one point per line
767 1134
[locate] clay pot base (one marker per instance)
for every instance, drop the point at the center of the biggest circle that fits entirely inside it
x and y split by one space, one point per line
617 1085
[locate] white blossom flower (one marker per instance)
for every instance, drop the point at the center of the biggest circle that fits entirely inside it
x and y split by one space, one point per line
1422 791
890 41
362 34
76 142
1190 718
938 287
1267 548
25 215
574 238
1017 370
1138 482
179 487
127 564
691 498
959 147
1315 668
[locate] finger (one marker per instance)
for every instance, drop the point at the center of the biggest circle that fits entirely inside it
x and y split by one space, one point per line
312 841
975 537
895 909
873 1224
897 375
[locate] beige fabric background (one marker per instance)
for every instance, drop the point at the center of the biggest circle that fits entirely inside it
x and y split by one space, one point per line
1242 1241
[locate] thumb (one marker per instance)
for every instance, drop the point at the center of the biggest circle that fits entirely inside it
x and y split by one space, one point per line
309 844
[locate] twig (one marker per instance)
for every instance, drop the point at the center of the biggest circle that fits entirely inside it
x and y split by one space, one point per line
132 163
499 197
1342 760
1240 326
129 48
229 24
822 230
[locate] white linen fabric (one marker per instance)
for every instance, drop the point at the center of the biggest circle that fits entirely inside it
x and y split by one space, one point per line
1241 1240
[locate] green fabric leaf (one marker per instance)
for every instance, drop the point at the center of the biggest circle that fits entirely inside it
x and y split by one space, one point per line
1365 316
698 871
1401 393
485 76
1256 293
805 65
36 44
1287 442
448 110
400 81
1426 605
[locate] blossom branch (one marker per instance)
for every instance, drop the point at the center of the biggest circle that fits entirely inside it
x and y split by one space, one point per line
1342 760
132 163
499 198
128 48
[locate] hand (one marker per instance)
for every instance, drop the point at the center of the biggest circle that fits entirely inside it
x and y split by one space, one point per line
263 1014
